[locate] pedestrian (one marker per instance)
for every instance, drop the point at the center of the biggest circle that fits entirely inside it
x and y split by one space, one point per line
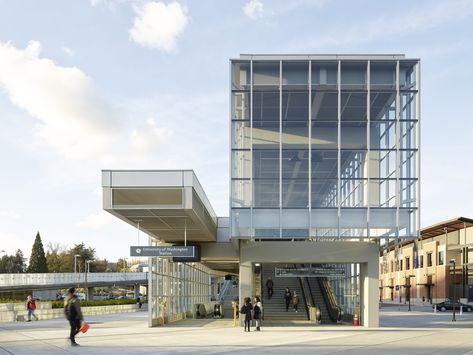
269 287
138 300
73 314
31 307
288 298
246 311
295 301
258 313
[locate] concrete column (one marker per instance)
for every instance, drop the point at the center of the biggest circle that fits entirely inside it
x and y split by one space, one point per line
246 284
136 291
90 293
369 298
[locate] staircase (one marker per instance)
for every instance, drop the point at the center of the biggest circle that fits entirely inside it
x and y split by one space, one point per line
319 300
275 308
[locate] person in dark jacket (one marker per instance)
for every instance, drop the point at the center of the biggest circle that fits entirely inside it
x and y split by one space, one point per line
258 313
295 301
73 314
246 310
269 287
288 298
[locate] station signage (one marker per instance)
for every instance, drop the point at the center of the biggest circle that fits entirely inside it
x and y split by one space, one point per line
309 272
174 251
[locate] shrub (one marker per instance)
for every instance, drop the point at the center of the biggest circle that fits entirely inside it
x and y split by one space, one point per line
91 303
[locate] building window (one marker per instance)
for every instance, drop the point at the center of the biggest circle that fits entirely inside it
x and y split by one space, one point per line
400 265
408 263
381 271
441 257
429 259
421 261
392 266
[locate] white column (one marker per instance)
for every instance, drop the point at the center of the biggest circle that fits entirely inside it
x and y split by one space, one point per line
369 299
246 284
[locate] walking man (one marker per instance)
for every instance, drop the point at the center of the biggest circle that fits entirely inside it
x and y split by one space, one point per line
288 298
270 286
295 301
73 314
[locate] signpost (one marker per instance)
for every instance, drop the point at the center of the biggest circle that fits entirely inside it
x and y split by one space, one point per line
175 251
309 272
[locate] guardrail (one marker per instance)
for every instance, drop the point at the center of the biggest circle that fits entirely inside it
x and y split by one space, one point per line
18 280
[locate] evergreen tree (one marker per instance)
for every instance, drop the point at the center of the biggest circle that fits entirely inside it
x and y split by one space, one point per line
18 262
37 259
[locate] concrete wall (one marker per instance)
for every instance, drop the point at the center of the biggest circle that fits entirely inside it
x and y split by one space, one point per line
366 254
10 312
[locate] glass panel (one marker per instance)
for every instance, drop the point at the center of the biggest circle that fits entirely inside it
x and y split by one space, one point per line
353 193
353 106
295 135
241 135
383 193
324 164
324 223
353 135
241 105
240 75
383 164
295 106
295 164
295 223
407 75
408 189
324 75
266 73
266 106
383 134
408 105
408 134
241 223
295 193
407 222
324 193
295 73
266 223
241 193
383 75
353 218
266 164
353 164
266 135
241 164
266 193
324 135
408 164
324 105
353 75
383 105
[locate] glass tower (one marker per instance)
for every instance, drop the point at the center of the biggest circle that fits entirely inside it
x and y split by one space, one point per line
324 147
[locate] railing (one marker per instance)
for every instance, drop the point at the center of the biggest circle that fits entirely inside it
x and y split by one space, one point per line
306 294
9 280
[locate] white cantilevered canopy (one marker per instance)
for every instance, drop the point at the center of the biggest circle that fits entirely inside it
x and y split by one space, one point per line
166 204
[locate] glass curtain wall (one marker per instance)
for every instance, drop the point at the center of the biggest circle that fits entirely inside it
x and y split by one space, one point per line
324 149
179 286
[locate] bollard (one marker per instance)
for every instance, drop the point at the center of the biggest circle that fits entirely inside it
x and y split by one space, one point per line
435 308
234 304
163 306
356 322
461 309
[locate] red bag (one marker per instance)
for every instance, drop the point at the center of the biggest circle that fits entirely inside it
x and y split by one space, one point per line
84 327
33 305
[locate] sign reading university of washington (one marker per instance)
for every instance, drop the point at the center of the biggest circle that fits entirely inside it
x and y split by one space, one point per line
309 272
164 251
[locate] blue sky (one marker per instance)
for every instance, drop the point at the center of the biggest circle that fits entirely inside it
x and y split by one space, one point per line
97 84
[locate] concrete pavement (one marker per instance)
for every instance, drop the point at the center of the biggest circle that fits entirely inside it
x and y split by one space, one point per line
401 332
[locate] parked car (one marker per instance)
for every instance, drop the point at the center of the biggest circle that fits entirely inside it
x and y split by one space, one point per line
447 305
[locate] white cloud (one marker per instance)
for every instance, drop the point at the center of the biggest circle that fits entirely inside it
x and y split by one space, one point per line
158 25
68 51
9 214
96 221
75 118
253 9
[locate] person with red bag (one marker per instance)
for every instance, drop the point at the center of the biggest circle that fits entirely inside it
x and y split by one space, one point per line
31 307
73 314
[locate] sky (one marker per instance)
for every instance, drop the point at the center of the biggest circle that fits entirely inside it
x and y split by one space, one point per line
87 85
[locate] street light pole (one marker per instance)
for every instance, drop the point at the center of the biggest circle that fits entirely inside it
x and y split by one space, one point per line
452 261
75 263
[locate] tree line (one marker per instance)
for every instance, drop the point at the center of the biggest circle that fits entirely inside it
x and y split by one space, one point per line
58 258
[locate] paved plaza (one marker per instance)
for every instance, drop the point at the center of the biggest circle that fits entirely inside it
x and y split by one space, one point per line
417 332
